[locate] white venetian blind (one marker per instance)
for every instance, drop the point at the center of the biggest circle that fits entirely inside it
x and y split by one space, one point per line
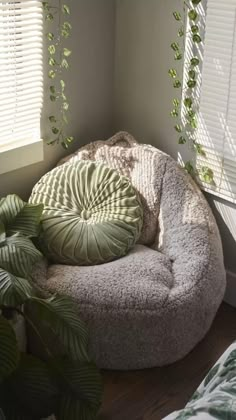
217 117
21 71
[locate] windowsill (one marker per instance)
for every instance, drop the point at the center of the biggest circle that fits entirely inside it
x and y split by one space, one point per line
15 156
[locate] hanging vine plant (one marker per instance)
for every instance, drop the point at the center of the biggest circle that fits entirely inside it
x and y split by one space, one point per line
58 63
185 105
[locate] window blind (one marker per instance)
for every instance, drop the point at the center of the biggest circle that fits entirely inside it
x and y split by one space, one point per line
217 113
21 70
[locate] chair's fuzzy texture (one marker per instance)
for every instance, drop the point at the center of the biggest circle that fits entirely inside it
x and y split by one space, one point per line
153 306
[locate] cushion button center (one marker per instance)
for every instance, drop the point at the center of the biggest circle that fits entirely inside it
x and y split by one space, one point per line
86 214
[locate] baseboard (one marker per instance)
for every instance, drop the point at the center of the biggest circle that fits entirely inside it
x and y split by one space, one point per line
230 294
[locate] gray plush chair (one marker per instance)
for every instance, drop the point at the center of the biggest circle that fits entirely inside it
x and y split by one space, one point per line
153 306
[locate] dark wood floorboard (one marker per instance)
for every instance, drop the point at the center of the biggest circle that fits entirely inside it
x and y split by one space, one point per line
151 394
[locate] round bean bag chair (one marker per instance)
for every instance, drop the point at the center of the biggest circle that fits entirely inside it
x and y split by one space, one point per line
152 306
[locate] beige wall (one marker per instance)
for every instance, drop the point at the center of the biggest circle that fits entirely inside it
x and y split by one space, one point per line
143 91
90 83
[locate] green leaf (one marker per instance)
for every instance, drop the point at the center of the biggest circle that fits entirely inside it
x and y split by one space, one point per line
196 38
53 98
193 123
178 56
66 52
64 63
55 130
195 61
206 175
31 389
176 102
195 29
196 2
188 102
199 149
177 16
174 113
65 119
177 84
191 113
52 89
50 36
18 255
69 139
51 74
63 96
189 168
191 83
192 74
192 14
10 206
58 314
2 232
52 119
65 145
52 62
178 128
175 46
9 353
49 17
182 140
66 29
172 73
181 32
65 9
81 392
13 290
52 49
62 83
45 5
65 106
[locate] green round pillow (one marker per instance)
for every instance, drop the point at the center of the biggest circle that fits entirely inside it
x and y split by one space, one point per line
91 214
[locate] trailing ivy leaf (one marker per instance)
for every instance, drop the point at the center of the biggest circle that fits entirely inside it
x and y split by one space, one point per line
59 315
32 390
9 353
195 29
66 52
62 83
52 49
18 255
65 106
195 61
65 145
177 16
52 89
174 113
176 102
192 74
69 139
14 291
50 36
196 2
175 46
52 119
191 113
63 96
199 149
51 74
181 32
172 73
196 38
45 5
53 98
67 25
66 29
64 63
182 140
178 56
178 128
193 123
206 174
55 130
65 119
177 84
189 168
191 83
49 17
52 61
192 14
65 9
188 102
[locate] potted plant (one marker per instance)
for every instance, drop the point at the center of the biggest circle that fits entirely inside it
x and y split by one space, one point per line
64 383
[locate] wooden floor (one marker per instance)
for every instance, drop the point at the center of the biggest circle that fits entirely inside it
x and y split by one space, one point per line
152 394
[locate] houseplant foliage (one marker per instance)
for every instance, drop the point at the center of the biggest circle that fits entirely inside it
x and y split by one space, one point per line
185 105
57 22
63 382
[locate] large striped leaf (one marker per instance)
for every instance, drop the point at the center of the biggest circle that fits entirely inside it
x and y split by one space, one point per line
81 393
2 417
18 216
2 232
9 353
18 255
13 290
30 392
58 314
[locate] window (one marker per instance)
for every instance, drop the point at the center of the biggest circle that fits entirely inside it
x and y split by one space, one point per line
217 116
21 77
